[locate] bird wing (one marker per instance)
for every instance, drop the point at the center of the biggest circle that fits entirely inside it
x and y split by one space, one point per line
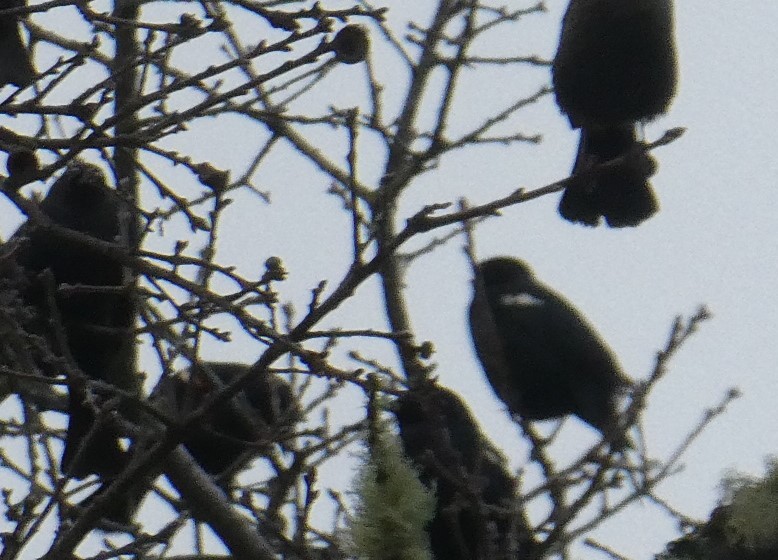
556 354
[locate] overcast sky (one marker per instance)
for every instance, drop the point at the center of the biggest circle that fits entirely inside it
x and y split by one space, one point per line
714 242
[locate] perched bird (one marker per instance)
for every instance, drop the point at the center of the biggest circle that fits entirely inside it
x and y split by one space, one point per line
15 65
540 356
229 435
22 167
615 67
475 515
88 323
351 44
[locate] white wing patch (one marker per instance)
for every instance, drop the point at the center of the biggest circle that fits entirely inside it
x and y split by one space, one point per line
522 299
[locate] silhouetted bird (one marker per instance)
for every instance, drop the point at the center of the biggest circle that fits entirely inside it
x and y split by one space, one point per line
540 356
22 167
262 412
229 435
15 65
615 67
351 44
475 514
714 540
91 318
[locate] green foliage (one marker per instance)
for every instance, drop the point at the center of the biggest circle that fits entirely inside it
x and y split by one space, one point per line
393 507
754 507
744 527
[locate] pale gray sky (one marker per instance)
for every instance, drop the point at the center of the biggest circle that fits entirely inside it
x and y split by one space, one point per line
713 242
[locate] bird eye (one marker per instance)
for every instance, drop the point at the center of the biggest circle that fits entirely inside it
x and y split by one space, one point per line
520 300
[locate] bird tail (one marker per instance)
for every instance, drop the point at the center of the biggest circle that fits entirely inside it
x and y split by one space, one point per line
90 448
620 194
15 65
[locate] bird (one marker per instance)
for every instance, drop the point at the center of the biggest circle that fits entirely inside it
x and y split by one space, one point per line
351 44
22 166
541 357
475 514
229 433
228 436
89 325
15 65
615 67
